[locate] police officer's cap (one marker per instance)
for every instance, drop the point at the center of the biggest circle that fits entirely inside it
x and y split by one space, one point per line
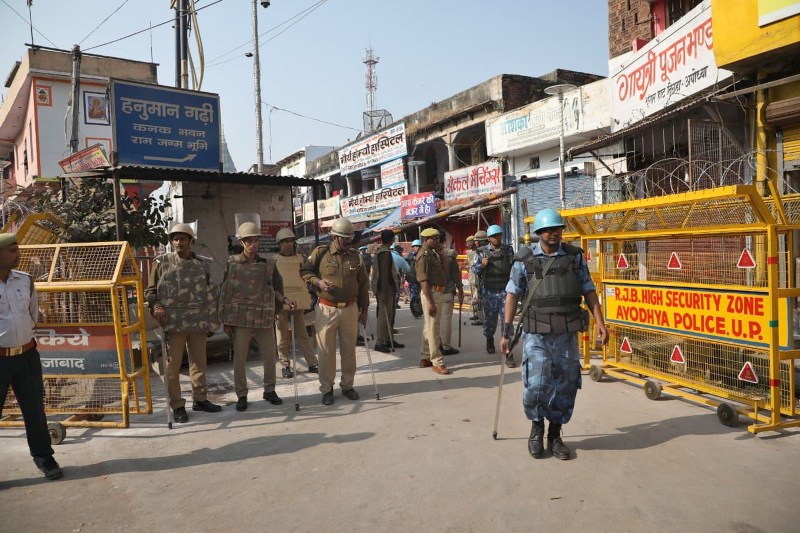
430 232
362 248
7 239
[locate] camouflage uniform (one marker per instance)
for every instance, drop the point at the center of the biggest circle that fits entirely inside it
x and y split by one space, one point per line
248 302
493 300
295 289
182 287
551 365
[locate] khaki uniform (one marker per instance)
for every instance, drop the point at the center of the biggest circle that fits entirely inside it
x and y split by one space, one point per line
338 310
429 268
453 276
475 297
182 287
296 290
248 302
384 286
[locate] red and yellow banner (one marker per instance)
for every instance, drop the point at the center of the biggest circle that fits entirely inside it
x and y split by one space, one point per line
738 317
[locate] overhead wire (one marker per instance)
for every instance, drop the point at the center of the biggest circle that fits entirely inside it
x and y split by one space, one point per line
197 78
103 21
27 22
215 59
307 12
149 28
271 107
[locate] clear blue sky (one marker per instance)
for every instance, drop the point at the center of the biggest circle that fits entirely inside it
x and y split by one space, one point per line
428 50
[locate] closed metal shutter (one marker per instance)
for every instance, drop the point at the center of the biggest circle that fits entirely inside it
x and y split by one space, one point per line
791 143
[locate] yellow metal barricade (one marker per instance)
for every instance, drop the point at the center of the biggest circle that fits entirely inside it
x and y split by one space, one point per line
90 335
699 291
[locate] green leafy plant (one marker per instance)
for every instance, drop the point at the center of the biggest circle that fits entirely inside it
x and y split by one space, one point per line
89 214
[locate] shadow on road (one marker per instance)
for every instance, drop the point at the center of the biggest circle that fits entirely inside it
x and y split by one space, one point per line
236 451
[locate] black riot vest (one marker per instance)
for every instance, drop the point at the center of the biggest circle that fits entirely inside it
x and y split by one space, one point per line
497 272
556 305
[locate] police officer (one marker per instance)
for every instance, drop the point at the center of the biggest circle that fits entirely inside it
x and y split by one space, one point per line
366 258
180 297
289 262
413 285
403 269
471 254
452 286
20 366
384 284
480 241
251 294
338 273
552 367
493 265
432 279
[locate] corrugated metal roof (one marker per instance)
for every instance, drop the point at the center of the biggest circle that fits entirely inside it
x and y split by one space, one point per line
143 173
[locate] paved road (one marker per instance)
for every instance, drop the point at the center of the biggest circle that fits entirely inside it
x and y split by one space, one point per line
420 459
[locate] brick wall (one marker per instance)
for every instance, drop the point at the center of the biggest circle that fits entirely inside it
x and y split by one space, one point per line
623 27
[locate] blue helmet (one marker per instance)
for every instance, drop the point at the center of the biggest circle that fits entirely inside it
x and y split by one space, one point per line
494 229
416 242
547 218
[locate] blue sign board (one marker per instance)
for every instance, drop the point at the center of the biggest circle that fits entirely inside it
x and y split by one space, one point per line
159 126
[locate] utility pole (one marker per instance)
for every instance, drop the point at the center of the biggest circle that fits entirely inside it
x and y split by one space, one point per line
76 110
184 43
76 97
257 88
176 7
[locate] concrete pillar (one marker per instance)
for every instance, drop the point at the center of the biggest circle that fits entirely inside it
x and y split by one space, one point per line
451 151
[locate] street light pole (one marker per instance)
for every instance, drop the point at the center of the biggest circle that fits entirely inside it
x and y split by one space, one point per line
414 166
559 90
257 88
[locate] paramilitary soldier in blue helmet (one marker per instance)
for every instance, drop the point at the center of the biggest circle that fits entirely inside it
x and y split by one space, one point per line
493 266
558 275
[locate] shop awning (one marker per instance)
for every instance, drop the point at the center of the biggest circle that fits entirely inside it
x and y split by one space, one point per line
142 173
311 239
329 223
390 221
472 211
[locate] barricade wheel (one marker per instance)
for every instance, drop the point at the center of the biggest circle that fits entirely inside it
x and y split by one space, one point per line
595 373
57 432
652 389
727 415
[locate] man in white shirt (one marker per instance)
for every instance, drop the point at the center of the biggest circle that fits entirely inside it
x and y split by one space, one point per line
20 366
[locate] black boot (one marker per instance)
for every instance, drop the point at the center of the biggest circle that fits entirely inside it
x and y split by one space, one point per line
489 344
536 440
555 444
